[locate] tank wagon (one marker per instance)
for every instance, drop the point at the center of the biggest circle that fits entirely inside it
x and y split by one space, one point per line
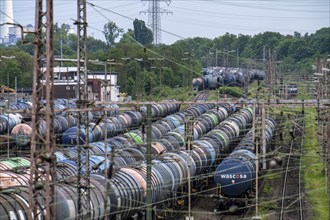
167 134
21 132
116 125
170 171
125 145
235 175
66 130
214 78
126 194
9 121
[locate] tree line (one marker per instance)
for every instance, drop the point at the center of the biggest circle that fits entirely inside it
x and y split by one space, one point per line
148 69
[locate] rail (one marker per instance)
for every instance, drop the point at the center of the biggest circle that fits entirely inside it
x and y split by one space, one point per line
201 96
292 197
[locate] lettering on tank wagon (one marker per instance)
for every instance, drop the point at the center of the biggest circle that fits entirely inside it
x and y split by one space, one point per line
233 176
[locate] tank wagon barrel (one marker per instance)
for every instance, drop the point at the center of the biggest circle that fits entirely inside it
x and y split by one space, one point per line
21 132
169 173
65 124
9 121
126 152
127 194
216 77
115 125
236 173
128 146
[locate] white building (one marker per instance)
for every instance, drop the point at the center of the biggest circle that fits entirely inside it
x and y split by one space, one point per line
6 17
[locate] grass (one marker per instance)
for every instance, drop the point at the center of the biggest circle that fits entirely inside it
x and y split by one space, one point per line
163 93
226 90
232 91
314 179
267 189
266 201
302 90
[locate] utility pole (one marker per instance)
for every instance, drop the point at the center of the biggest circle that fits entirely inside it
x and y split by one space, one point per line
126 60
83 182
187 59
216 56
256 135
210 57
149 170
264 57
274 78
263 136
237 58
138 89
111 62
162 74
189 123
154 20
328 151
42 171
162 69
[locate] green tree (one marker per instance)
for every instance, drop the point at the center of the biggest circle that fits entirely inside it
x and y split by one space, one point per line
128 37
61 41
283 47
242 41
94 45
27 45
299 49
320 41
111 32
130 86
142 34
21 67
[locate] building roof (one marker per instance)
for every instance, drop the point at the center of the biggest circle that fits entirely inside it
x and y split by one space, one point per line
58 69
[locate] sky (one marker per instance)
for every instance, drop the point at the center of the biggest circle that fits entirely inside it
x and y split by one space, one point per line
192 18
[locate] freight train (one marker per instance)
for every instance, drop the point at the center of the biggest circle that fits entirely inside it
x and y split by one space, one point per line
236 174
125 195
215 77
130 146
125 145
110 122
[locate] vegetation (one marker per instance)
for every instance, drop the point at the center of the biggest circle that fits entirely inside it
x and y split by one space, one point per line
162 93
314 177
111 32
16 64
142 34
231 91
166 71
175 65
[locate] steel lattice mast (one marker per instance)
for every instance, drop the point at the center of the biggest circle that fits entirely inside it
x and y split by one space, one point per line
154 21
42 173
83 180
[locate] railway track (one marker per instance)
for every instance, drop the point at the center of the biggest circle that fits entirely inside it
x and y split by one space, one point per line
231 217
201 96
291 202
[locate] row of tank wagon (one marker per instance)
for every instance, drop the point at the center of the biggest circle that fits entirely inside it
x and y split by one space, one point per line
101 124
126 193
11 122
215 77
236 174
